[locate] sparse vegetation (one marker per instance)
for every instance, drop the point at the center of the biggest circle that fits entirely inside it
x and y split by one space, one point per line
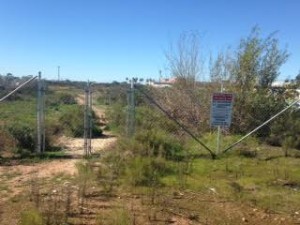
162 175
31 217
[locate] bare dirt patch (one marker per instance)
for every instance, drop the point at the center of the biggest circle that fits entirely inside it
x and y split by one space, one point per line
12 178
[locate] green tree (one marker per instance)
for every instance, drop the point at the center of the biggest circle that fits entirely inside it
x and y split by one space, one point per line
219 69
244 73
258 61
246 65
271 61
255 66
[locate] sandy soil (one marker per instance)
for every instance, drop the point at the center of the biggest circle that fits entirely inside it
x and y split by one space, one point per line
13 177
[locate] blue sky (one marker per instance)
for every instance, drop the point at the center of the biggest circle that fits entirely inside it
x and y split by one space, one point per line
113 39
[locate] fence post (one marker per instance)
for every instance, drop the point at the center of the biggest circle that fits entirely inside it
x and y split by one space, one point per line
131 109
88 120
40 116
219 134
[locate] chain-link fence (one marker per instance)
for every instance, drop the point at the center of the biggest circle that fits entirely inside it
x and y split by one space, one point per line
172 130
71 122
18 129
42 116
269 115
60 115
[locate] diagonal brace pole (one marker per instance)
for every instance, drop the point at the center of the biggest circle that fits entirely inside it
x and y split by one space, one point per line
260 126
19 87
213 155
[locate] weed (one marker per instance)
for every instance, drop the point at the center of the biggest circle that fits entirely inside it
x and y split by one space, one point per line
10 175
35 191
119 216
146 171
31 217
4 187
107 178
84 180
287 144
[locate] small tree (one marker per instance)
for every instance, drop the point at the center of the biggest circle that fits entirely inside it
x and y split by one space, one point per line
220 67
184 62
271 61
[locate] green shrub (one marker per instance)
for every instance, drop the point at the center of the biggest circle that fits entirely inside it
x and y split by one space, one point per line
71 122
24 135
60 99
117 117
159 143
248 153
6 141
31 217
251 111
148 118
96 130
287 126
146 171
85 179
115 217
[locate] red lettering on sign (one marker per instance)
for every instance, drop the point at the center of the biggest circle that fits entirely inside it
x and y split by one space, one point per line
222 97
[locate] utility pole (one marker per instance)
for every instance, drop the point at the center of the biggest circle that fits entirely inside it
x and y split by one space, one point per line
40 116
88 120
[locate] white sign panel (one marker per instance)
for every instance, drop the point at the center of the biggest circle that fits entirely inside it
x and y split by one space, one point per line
221 109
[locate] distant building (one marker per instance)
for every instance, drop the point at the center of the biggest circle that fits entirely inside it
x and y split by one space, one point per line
171 81
162 83
280 83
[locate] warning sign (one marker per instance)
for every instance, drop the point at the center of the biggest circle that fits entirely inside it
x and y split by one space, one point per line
221 109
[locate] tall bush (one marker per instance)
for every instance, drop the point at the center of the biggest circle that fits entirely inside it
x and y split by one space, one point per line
71 122
24 134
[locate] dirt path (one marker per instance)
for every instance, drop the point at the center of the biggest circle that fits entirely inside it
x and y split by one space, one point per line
13 178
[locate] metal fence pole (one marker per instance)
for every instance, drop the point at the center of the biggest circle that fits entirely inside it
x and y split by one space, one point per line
43 129
219 134
131 110
88 120
85 134
40 116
